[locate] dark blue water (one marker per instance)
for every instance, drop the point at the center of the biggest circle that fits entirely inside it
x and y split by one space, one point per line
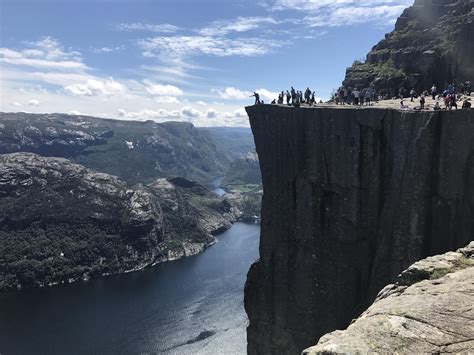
188 306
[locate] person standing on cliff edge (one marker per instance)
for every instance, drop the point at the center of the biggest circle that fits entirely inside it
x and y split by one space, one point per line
257 98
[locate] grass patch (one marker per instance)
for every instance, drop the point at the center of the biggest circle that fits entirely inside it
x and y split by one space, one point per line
460 264
245 187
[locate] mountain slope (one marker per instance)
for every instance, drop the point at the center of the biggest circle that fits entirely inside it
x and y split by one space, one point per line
234 142
60 222
134 151
432 43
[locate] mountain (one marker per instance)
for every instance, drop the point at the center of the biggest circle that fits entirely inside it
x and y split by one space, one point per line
134 151
432 43
243 171
427 310
234 142
61 222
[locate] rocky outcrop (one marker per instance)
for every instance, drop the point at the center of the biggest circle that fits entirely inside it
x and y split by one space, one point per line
61 222
191 210
427 310
431 43
134 151
352 197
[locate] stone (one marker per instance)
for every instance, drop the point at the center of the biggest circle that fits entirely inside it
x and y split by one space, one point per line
427 310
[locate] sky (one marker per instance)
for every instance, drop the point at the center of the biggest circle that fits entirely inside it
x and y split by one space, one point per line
183 60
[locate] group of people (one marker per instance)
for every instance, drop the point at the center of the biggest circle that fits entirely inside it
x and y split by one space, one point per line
356 96
291 97
450 96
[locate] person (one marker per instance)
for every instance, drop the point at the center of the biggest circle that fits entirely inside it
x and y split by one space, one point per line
362 97
293 95
280 98
468 88
466 104
412 95
452 88
307 95
313 99
257 98
436 106
288 97
433 91
356 94
422 102
401 93
452 101
273 102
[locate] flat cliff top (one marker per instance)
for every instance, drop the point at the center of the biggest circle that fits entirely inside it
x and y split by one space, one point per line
382 104
428 310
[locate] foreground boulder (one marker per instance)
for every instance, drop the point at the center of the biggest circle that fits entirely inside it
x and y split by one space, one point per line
429 309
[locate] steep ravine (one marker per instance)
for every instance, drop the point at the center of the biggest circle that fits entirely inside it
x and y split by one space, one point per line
352 197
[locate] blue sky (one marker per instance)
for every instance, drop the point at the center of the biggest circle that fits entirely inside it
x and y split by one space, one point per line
185 60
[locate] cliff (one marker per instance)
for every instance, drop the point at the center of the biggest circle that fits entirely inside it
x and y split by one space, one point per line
431 43
352 197
61 222
427 310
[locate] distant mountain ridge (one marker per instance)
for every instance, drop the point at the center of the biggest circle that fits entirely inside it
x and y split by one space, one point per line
134 151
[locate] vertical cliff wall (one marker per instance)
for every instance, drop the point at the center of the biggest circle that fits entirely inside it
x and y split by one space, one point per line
351 198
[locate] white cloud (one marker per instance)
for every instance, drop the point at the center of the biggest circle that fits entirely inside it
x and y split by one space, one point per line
240 24
46 53
211 113
164 90
94 87
16 104
355 15
166 100
267 94
231 93
183 46
107 49
189 111
317 5
33 103
240 113
137 26
333 13
12 57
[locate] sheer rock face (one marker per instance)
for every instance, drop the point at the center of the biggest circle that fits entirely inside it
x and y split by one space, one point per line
427 310
352 197
431 43
61 222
